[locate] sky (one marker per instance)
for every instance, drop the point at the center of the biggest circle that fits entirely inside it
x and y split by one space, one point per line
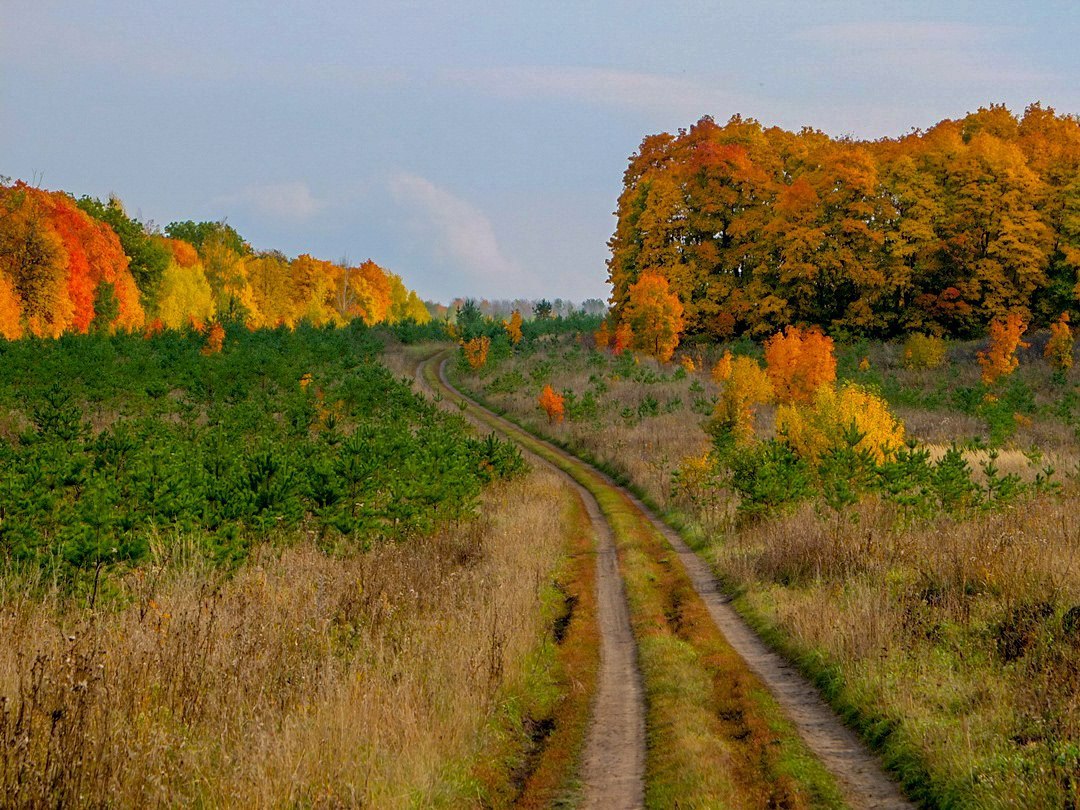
474 148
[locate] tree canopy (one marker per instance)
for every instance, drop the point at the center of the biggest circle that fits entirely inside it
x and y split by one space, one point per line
942 231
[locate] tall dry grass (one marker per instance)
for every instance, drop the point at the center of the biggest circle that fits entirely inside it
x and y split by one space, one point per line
302 679
956 640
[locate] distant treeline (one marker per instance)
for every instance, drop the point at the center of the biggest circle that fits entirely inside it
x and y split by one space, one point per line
70 265
530 308
937 231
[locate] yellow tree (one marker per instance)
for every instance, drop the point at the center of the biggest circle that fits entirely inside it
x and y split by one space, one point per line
655 315
746 385
513 327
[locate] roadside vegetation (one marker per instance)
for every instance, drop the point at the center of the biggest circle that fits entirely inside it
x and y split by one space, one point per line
266 573
902 528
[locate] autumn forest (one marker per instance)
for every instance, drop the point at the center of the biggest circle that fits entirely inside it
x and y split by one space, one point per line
70 265
938 231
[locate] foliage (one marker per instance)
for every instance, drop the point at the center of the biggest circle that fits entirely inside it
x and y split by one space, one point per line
747 386
937 231
999 359
622 339
553 404
602 336
513 327
798 363
721 371
215 340
130 439
476 350
57 256
1059 349
923 351
655 316
814 429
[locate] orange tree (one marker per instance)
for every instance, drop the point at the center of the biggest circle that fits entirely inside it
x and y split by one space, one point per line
655 314
798 363
999 359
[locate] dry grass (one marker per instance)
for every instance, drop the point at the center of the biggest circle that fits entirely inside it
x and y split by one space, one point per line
300 680
956 643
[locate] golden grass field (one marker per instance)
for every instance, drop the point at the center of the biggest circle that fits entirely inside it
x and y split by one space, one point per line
303 679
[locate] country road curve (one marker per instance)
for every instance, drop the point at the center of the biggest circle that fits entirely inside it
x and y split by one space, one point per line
612 770
862 778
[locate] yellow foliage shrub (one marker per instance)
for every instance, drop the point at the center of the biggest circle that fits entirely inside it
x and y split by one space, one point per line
923 351
813 429
1059 349
476 351
747 387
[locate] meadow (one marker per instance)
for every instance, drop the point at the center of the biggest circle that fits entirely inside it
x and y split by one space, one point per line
932 597
265 572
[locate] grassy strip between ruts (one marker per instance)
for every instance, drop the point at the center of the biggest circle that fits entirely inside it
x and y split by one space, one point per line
715 735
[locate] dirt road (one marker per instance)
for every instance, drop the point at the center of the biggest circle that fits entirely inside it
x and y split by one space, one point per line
613 762
859 773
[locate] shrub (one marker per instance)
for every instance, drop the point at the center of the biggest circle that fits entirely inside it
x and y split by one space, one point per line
215 340
553 404
923 352
813 430
476 351
721 372
602 336
798 363
1059 349
747 387
999 359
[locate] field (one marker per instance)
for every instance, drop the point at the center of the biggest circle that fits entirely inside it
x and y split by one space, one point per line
221 571
935 605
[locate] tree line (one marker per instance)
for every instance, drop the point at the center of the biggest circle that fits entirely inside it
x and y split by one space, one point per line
938 231
72 266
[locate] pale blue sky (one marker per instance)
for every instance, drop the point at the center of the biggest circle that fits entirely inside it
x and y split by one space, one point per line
474 148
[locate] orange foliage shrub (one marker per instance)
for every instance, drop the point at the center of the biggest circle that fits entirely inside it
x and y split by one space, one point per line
476 351
999 359
553 404
687 362
815 428
622 338
1059 349
721 372
747 386
602 336
154 327
923 351
513 327
799 363
215 340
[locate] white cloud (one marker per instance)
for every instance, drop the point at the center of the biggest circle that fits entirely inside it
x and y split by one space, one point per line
651 92
289 202
459 232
